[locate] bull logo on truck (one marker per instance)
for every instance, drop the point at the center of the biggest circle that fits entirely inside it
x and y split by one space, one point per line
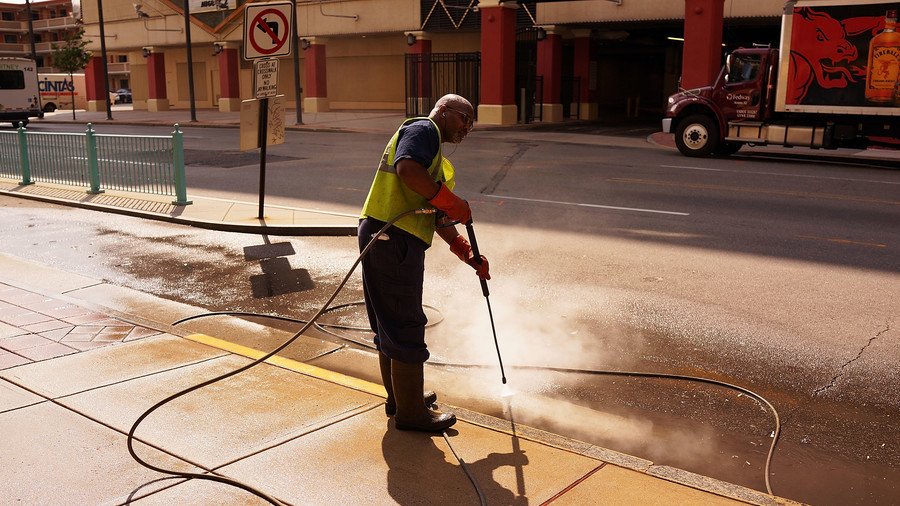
821 52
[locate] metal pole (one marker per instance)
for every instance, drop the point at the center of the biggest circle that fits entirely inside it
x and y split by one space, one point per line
103 56
297 89
190 57
33 51
31 31
178 163
263 138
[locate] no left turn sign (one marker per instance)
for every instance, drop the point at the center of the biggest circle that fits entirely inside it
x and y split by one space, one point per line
267 29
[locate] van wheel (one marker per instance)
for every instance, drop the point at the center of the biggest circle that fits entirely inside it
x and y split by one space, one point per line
49 107
697 135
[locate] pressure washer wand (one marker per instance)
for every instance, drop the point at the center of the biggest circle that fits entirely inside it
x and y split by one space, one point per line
486 292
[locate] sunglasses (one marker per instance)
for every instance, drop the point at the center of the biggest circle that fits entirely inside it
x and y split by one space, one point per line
470 121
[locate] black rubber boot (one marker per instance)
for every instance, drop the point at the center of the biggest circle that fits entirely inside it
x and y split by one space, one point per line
390 405
408 381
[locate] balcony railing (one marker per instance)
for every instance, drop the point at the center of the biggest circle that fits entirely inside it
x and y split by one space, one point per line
14 48
40 25
118 68
13 26
52 23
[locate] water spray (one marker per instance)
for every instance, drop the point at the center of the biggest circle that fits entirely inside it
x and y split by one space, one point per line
487 293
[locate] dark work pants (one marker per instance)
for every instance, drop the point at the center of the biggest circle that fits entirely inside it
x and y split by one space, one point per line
393 273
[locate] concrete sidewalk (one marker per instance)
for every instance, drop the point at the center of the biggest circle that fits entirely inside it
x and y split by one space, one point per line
76 370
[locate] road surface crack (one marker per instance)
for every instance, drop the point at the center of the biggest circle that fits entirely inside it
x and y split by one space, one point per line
504 169
836 377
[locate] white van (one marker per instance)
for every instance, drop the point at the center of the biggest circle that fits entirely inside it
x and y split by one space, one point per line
57 91
19 91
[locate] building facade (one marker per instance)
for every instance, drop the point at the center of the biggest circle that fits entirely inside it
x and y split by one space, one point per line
51 22
518 61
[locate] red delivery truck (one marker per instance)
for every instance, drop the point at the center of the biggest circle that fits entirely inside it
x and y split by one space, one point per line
832 83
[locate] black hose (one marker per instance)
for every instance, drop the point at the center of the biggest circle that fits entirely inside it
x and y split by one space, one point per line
222 479
325 308
595 372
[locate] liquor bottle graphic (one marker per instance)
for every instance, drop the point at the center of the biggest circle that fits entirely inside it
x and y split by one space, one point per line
884 62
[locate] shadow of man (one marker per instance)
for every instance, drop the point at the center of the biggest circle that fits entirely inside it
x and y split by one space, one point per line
419 472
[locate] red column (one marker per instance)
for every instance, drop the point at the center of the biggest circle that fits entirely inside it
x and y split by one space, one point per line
229 80
422 99
587 93
93 79
702 56
157 100
549 65
316 81
497 105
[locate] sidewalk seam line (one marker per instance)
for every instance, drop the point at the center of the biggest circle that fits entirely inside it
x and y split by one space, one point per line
305 431
110 427
141 376
574 484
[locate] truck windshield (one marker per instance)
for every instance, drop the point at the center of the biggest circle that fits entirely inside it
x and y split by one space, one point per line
12 80
744 68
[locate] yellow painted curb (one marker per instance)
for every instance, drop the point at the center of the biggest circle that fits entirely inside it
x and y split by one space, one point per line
291 365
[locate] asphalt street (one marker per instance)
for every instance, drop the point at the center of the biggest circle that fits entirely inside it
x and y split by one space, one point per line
775 275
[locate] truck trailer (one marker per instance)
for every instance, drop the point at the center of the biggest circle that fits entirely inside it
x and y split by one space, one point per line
19 91
58 91
833 83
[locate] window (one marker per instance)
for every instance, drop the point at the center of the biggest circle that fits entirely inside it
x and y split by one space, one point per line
9 16
10 39
12 80
743 69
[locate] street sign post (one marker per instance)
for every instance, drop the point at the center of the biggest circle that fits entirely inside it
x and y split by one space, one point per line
267 35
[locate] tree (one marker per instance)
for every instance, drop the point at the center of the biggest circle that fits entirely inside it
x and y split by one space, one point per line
72 57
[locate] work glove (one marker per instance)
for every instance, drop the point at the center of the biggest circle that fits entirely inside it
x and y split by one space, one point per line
456 208
462 249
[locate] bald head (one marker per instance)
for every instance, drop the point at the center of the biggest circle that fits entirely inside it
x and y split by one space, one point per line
454 116
451 101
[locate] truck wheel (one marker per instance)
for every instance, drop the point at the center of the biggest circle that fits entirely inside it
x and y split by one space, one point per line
24 123
697 135
49 107
727 148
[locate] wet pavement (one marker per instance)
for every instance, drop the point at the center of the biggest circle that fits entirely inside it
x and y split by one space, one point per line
279 427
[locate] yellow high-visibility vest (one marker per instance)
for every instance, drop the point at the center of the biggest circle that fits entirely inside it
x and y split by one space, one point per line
389 197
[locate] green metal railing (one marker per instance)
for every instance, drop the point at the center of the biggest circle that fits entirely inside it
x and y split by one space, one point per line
135 163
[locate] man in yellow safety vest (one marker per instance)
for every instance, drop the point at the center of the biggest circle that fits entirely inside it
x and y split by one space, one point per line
412 174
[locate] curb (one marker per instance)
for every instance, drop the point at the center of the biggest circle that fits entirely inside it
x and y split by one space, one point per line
276 230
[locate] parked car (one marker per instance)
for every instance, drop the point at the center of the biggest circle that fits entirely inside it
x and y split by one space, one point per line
123 96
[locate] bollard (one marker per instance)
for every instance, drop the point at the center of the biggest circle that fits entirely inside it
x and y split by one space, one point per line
178 163
93 163
23 155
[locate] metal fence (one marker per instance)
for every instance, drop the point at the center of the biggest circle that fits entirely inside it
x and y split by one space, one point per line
135 163
429 76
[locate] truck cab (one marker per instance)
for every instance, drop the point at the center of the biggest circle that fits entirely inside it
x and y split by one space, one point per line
744 92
